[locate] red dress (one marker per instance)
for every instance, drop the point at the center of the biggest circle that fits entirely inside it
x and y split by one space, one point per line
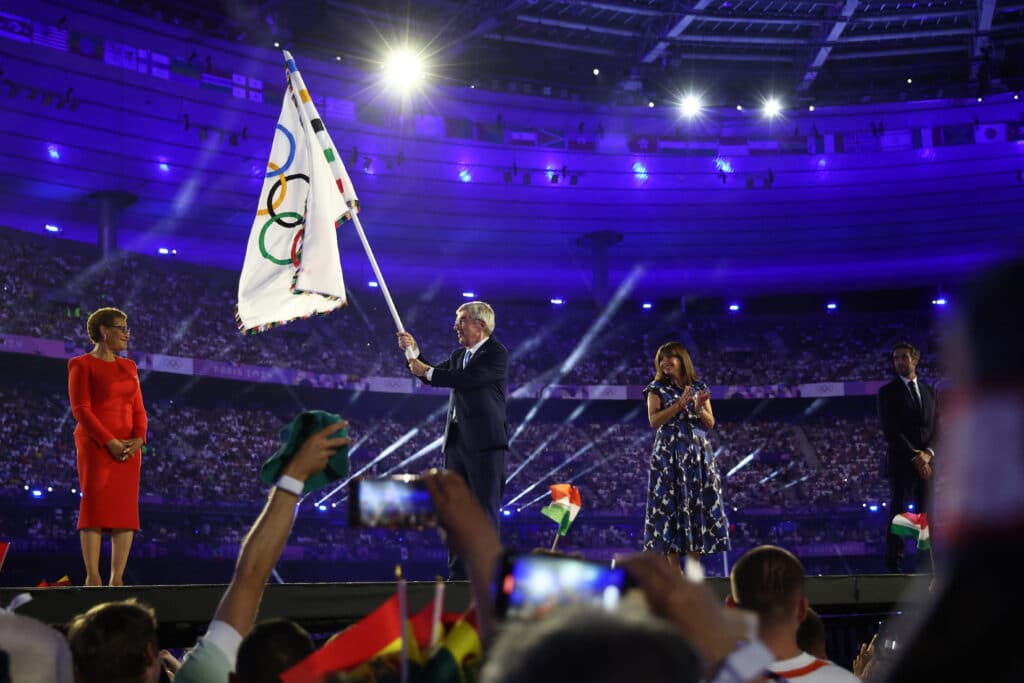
106 400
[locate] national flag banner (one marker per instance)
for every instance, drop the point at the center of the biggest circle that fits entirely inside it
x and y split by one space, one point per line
292 266
5 546
377 635
62 581
15 28
565 505
914 525
50 36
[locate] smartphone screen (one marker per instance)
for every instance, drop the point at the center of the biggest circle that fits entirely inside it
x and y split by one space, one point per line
399 501
531 585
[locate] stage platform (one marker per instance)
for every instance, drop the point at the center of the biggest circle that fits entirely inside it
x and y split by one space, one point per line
184 611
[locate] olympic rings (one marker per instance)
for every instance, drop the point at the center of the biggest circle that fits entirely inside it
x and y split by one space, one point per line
291 153
263 232
270 199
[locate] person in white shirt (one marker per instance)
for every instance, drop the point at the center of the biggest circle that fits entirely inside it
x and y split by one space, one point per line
769 581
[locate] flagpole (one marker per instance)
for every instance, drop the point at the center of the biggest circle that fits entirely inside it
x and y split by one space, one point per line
343 180
555 544
409 353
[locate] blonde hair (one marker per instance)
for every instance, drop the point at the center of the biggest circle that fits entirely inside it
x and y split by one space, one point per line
479 310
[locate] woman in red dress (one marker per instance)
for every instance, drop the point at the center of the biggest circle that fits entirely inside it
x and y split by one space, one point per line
106 400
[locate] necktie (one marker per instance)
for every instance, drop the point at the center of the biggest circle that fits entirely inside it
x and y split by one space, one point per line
912 385
465 358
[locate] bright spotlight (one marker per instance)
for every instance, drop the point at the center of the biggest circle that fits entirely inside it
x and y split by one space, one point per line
597 72
465 176
404 70
691 105
734 308
941 301
52 228
650 104
772 107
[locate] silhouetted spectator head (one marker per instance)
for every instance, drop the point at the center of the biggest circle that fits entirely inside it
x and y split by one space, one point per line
811 635
594 646
272 647
115 642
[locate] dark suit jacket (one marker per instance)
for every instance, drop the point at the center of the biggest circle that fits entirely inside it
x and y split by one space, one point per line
478 394
906 429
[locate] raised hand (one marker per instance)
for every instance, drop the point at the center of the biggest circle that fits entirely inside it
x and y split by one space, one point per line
315 451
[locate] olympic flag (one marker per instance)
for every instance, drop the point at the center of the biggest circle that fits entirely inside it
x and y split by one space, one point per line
292 266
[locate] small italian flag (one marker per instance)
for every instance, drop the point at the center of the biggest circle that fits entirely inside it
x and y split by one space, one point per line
912 524
565 505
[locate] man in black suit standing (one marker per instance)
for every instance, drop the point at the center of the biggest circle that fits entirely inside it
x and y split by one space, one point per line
476 430
908 413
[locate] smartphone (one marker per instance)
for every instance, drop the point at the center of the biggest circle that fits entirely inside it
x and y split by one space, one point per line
529 585
396 502
886 642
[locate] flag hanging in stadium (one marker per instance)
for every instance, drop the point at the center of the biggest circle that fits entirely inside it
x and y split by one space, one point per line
565 505
292 266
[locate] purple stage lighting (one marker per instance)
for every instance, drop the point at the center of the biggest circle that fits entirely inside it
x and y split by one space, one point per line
831 306
941 301
36 493
640 172
647 305
734 308
558 302
54 152
52 228
372 283
723 165
873 507
465 176
468 295
163 250
164 166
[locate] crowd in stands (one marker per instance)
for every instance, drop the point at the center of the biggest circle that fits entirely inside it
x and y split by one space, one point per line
199 476
178 309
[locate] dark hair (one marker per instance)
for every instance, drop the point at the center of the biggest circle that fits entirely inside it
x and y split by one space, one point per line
594 646
679 351
915 352
768 580
810 637
103 316
114 642
270 649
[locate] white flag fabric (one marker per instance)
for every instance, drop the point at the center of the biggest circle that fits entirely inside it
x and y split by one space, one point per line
292 267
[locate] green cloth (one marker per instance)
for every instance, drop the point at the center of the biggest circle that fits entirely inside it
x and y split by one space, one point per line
293 435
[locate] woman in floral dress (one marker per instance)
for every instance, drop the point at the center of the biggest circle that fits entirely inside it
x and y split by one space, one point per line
685 514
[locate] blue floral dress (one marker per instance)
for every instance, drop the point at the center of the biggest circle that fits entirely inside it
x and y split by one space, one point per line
684 491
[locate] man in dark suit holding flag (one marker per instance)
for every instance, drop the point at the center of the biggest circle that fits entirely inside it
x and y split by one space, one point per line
907 409
475 442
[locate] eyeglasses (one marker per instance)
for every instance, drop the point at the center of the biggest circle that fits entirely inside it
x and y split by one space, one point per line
122 328
461 322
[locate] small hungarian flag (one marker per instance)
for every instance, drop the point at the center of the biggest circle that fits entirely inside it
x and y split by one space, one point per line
565 505
4 547
912 524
